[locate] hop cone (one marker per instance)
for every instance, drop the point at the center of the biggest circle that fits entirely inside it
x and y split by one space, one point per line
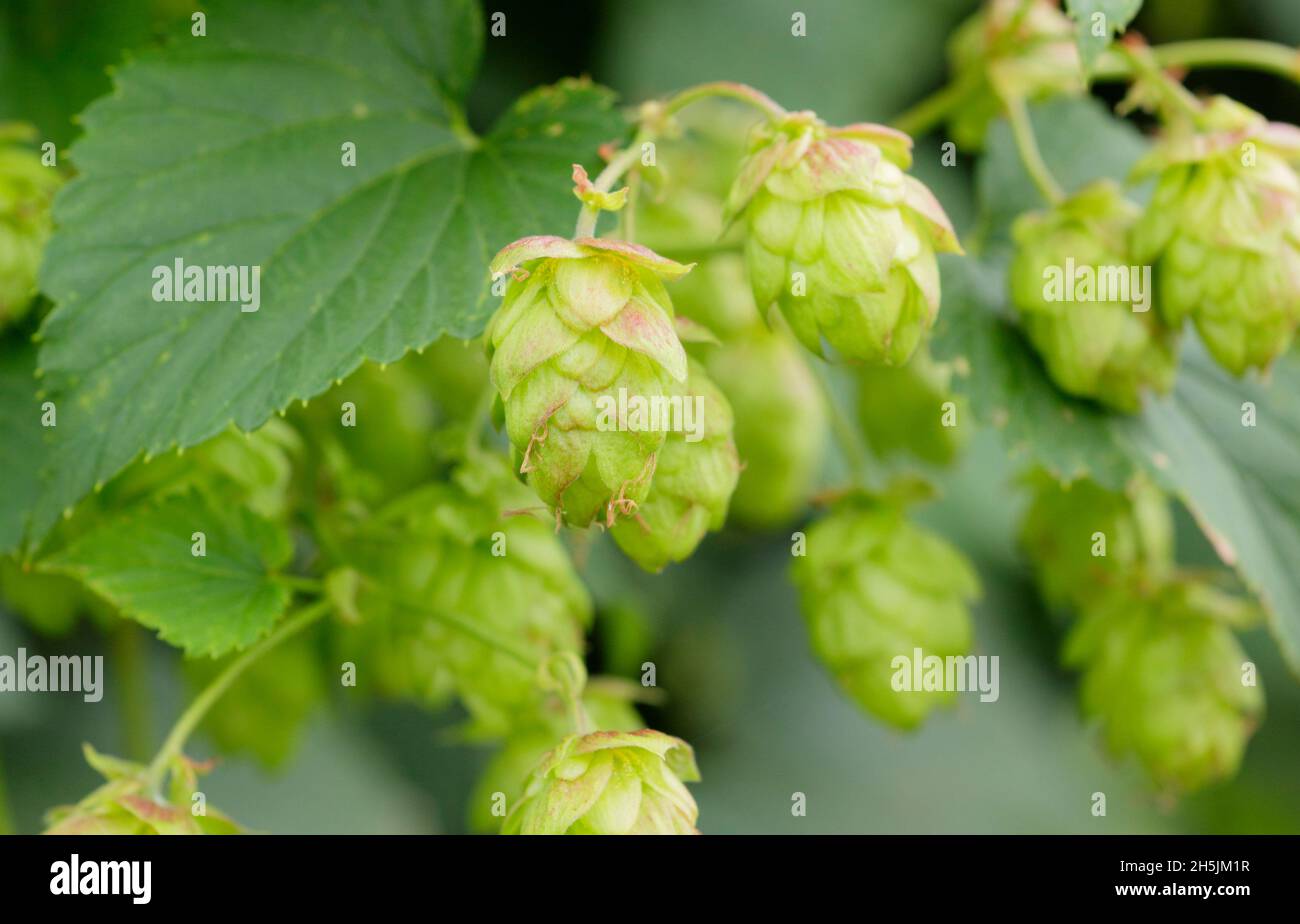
834 206
589 318
1104 350
26 190
1223 231
1060 529
449 576
1162 672
874 587
524 749
1009 49
694 478
610 782
902 410
125 805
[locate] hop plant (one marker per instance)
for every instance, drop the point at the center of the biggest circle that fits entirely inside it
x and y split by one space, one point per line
694 478
1010 49
1223 231
875 587
1162 673
1106 350
449 575
128 803
610 782
1084 540
902 410
840 237
583 320
27 189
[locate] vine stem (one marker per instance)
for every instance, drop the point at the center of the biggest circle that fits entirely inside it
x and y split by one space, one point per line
1178 96
845 433
651 125
1023 132
197 709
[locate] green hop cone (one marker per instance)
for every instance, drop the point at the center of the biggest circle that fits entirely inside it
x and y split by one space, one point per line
27 189
840 237
1163 674
583 321
128 804
610 782
1010 49
694 478
911 410
1083 539
449 574
1223 232
1106 350
875 587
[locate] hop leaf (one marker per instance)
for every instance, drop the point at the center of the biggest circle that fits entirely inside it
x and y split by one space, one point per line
1223 231
26 190
580 321
1162 672
1084 540
1092 348
694 478
127 803
610 782
875 587
834 205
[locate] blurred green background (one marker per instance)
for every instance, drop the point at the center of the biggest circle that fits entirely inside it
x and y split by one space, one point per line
723 629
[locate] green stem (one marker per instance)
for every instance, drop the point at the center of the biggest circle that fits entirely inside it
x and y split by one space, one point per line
194 714
725 90
1023 132
850 441
936 107
1177 97
129 655
625 158
1249 54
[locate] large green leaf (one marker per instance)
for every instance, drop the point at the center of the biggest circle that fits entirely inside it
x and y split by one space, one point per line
227 150
143 562
23 444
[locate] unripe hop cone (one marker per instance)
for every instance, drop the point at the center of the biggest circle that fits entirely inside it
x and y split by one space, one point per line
694 478
1223 231
27 189
874 587
1163 674
834 206
1105 350
902 410
581 320
610 782
1010 49
1060 533
447 569
125 804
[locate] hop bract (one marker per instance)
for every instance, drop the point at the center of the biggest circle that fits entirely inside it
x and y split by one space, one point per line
1085 540
27 189
1073 282
1011 49
581 321
610 782
840 237
1223 230
695 475
875 587
127 804
1163 673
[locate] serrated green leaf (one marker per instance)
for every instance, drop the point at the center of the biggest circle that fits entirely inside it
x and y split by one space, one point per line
1107 17
1241 483
227 150
143 563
